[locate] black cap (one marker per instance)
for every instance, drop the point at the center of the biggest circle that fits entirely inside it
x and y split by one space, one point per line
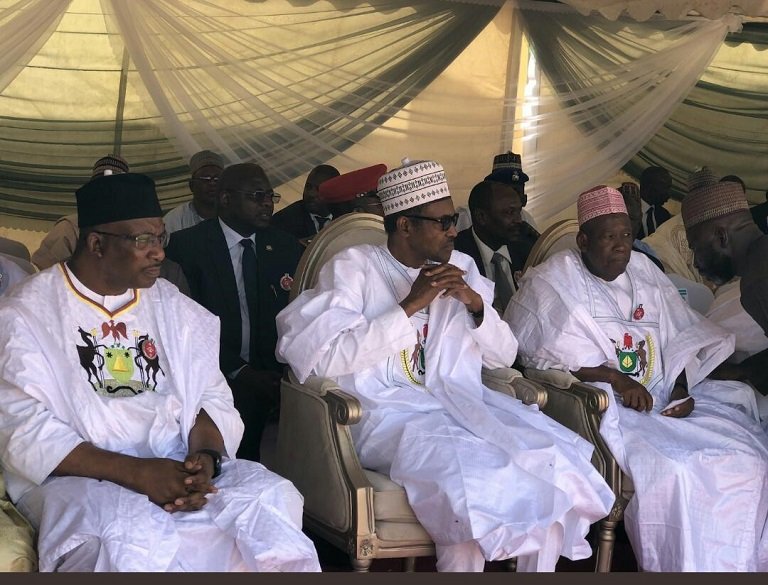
116 198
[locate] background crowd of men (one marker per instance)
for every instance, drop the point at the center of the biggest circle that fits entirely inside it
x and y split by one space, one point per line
116 378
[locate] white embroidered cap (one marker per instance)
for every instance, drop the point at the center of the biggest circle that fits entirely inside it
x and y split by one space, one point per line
414 183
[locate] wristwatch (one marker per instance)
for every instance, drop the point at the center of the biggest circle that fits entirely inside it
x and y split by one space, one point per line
216 456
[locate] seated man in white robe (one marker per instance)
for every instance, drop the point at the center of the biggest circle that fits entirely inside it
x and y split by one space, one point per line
406 327
116 426
693 447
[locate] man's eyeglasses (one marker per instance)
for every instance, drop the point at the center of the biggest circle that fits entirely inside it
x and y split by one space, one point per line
142 241
213 180
259 195
446 221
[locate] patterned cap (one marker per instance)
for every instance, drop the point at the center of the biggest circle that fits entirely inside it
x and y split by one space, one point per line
204 158
711 201
414 183
507 168
600 200
350 185
700 178
112 164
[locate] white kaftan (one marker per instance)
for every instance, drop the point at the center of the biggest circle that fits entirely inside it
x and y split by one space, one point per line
476 465
131 380
701 489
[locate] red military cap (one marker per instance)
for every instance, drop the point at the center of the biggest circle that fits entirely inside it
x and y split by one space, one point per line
350 185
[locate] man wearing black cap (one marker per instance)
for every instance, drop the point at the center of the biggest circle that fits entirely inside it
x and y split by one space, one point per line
303 219
59 243
241 269
117 430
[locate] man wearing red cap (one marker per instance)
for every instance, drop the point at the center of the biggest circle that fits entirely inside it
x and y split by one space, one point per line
354 191
693 447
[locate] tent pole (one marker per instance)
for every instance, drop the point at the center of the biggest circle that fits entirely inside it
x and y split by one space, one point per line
120 112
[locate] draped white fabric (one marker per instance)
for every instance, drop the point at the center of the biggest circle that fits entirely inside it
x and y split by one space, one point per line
615 83
285 83
645 9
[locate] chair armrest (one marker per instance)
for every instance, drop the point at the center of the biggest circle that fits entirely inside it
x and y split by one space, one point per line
580 407
316 453
511 382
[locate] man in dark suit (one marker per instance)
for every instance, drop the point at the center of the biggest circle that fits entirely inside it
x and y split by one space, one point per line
494 238
655 183
760 214
303 219
241 269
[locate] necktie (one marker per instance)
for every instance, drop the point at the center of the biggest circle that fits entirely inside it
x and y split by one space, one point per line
250 267
321 221
503 290
650 224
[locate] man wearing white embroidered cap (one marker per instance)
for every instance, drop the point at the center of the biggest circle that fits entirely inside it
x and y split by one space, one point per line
692 446
406 327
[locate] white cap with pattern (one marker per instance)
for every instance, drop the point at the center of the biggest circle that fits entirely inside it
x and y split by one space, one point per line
412 184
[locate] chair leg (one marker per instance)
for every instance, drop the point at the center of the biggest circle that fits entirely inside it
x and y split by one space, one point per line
409 564
361 565
605 542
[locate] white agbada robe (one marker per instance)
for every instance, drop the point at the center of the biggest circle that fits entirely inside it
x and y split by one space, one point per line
476 465
727 311
131 380
701 488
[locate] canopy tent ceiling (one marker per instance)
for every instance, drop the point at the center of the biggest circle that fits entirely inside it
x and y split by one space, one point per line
673 9
286 83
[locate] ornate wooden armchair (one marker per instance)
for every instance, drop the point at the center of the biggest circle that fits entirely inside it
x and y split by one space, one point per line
360 511
580 406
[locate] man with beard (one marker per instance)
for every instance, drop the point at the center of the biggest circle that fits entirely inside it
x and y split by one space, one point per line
117 430
406 327
241 269
727 243
693 447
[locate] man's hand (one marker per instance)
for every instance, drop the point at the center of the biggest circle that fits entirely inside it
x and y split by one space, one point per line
683 409
436 279
165 482
633 393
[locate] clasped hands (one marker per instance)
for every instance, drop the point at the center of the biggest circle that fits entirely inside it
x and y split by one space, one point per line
177 486
446 280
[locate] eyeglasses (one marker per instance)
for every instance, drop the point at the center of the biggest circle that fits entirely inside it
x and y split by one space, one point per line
446 221
142 241
213 180
259 195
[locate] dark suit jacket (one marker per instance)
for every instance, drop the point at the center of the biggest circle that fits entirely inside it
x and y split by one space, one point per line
295 220
203 255
760 216
518 250
660 215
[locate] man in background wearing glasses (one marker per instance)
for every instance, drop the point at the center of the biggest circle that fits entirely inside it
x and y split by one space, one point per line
205 168
117 431
241 269
406 327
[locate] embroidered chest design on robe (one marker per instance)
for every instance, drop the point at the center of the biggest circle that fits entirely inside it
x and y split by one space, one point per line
637 359
118 365
413 361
